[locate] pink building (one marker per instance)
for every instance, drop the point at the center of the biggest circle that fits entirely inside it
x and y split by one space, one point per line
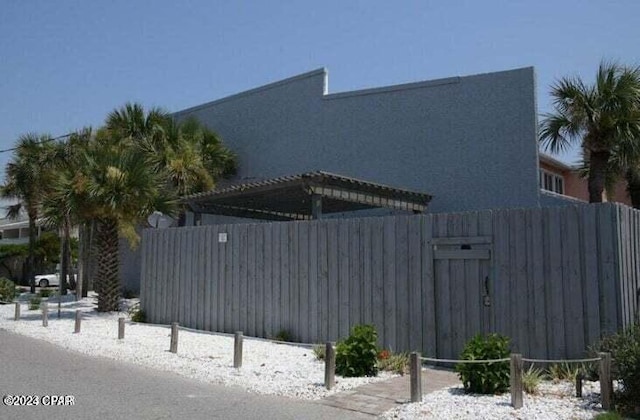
560 178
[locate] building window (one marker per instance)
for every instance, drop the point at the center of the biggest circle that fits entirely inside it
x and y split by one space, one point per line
551 182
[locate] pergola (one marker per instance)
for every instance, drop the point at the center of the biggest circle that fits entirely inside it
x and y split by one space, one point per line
303 197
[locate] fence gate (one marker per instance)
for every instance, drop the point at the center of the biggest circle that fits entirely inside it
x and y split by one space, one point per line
462 275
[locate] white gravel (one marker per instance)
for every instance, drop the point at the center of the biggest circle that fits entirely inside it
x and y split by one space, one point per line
554 401
267 368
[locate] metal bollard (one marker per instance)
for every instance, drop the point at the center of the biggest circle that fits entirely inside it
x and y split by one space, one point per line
17 314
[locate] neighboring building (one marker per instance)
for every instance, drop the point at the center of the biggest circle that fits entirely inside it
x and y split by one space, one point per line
15 231
559 178
471 142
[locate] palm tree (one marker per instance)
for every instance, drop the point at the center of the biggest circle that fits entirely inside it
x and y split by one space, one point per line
28 177
60 209
603 118
118 188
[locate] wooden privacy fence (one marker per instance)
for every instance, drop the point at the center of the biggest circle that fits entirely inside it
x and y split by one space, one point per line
552 279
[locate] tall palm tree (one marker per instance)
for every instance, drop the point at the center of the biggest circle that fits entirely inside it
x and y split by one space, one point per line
602 118
118 188
60 209
28 177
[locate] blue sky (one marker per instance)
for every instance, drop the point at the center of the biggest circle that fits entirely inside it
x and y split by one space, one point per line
66 64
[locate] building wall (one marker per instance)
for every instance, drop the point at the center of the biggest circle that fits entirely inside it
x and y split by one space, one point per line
469 141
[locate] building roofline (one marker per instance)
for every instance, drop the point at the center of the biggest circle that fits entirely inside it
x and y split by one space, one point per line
553 161
339 95
320 71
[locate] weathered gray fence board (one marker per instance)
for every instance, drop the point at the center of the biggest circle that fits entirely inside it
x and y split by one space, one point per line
222 270
251 281
367 273
332 282
228 279
355 298
535 231
485 228
269 285
429 328
608 276
472 282
212 277
259 283
167 267
573 284
500 283
442 295
343 278
294 279
401 282
314 298
242 281
414 283
553 279
389 270
377 256
556 302
303 327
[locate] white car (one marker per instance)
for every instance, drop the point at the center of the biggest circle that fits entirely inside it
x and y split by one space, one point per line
46 280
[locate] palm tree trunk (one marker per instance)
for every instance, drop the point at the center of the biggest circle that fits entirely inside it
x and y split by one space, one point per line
64 256
633 186
108 277
598 163
31 257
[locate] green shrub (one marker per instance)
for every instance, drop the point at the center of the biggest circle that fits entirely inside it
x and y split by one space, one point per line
34 303
395 362
357 355
531 378
137 314
564 372
319 351
284 335
485 378
45 293
7 290
625 350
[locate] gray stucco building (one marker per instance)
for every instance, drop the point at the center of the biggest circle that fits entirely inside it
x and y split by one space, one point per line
469 141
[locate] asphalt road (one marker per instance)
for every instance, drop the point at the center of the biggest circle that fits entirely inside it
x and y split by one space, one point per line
106 389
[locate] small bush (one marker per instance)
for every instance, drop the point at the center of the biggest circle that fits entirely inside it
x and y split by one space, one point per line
7 290
396 363
564 372
625 350
531 378
137 314
45 293
284 335
34 303
485 378
384 354
319 351
357 355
